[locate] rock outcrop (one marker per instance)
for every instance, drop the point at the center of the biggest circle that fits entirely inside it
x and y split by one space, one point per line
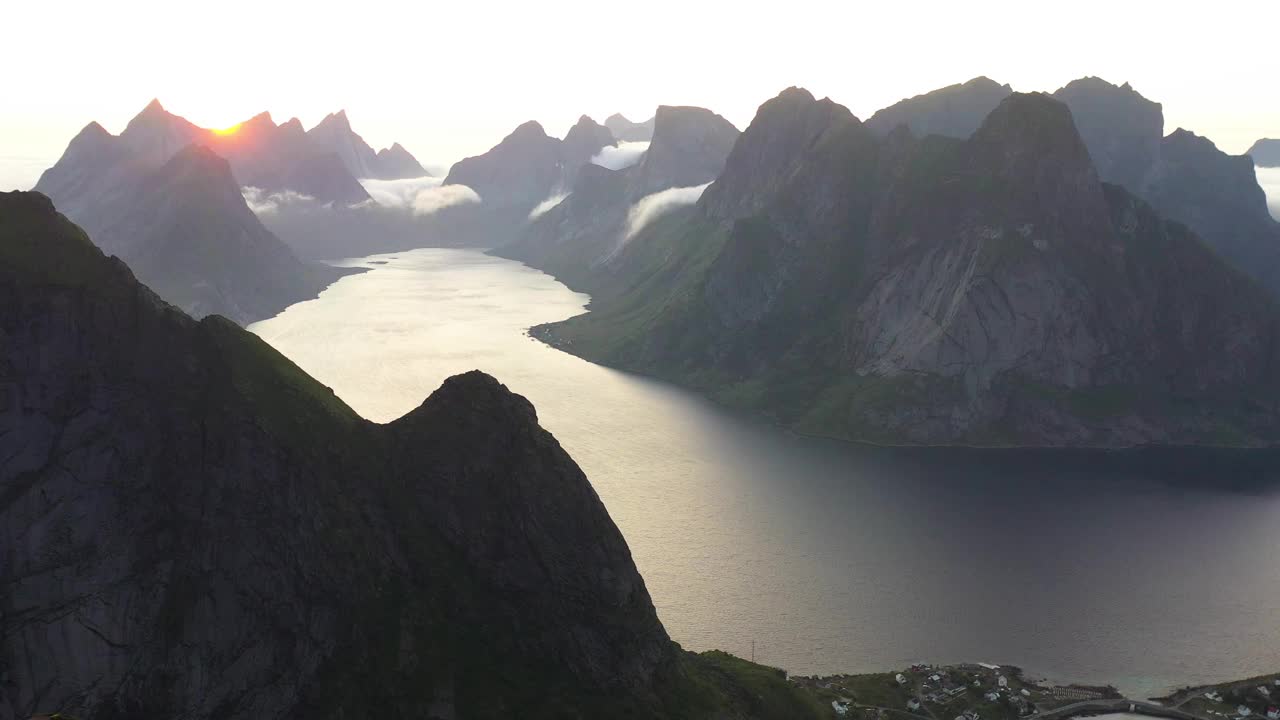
190 526
937 291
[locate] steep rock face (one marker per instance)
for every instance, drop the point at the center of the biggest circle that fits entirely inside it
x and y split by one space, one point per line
953 111
1121 128
935 290
192 527
688 148
626 131
1265 153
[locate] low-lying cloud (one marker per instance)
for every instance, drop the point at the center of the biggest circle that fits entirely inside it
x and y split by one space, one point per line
423 196
263 203
1269 179
546 205
624 155
651 207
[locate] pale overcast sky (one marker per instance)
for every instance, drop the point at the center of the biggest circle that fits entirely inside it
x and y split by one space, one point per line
449 79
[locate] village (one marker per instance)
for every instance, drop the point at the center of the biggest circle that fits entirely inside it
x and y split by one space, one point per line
985 691
980 691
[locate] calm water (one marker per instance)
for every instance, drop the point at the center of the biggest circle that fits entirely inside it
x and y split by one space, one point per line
831 557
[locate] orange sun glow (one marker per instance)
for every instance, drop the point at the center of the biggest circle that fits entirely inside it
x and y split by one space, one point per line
227 130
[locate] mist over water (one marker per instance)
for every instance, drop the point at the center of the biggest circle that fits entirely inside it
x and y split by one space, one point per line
830 557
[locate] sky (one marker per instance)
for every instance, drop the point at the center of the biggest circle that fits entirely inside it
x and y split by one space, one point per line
450 79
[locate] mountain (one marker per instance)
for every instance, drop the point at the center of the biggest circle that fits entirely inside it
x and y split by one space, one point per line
1121 128
396 163
688 148
897 289
626 131
526 169
954 111
334 135
281 158
183 226
1265 153
1184 177
576 239
193 527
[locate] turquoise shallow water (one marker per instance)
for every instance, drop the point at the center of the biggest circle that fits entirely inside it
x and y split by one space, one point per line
830 557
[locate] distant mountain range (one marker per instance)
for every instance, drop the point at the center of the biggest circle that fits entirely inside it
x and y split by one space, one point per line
165 196
1265 153
589 225
989 290
195 528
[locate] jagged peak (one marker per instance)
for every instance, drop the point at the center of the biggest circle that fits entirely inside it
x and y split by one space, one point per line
336 120
619 118
986 82
154 107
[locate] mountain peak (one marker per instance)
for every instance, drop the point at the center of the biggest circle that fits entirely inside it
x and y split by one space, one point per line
154 107
530 129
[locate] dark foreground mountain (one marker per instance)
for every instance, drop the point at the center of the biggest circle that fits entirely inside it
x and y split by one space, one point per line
182 225
575 239
1265 153
940 291
193 527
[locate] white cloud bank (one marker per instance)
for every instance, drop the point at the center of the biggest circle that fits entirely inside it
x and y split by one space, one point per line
546 205
624 155
651 207
423 195
263 203
1269 179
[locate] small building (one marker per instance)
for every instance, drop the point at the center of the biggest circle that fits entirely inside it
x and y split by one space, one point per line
1243 711
841 708
992 696
1025 692
1273 713
913 704
1002 681
1264 691
902 679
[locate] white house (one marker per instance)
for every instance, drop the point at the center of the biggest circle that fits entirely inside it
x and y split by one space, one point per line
902 679
1264 691
1273 713
1242 711
992 696
1002 681
1026 692
913 704
840 708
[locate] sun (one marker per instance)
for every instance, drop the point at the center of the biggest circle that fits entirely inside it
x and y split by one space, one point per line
231 130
